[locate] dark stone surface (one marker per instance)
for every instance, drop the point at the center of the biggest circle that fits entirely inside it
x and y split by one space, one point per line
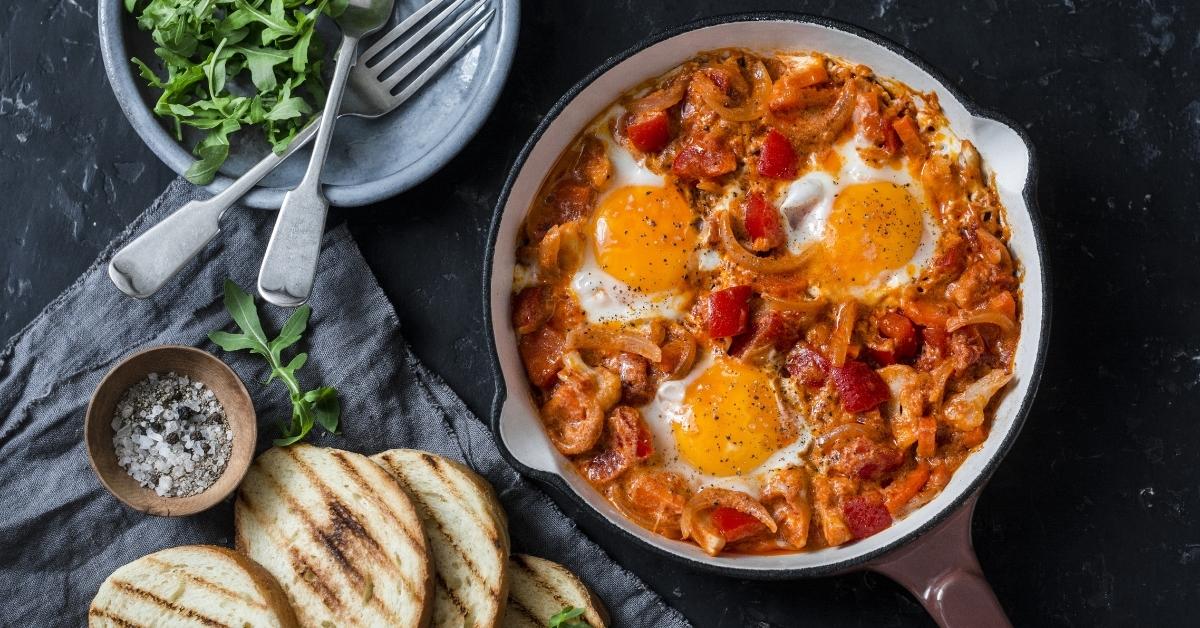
1091 520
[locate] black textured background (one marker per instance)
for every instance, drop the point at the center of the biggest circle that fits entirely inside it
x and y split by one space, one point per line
1091 520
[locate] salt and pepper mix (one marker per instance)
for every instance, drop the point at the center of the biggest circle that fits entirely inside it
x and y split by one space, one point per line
172 435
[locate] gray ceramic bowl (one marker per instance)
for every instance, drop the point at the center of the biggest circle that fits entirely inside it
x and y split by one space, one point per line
369 160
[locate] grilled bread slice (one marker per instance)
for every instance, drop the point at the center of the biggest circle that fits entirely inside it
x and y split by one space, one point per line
467 532
192 585
340 536
539 588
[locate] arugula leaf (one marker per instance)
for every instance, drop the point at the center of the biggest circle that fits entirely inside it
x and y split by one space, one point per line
233 65
150 77
213 151
262 62
568 618
288 109
319 406
326 407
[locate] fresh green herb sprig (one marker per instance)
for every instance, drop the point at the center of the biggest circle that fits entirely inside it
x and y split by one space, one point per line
205 47
321 405
569 618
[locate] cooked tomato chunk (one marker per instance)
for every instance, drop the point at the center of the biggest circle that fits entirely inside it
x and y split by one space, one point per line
778 158
859 386
768 328
865 515
735 525
728 311
764 224
649 132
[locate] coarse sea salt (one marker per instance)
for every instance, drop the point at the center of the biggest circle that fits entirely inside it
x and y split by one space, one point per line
171 434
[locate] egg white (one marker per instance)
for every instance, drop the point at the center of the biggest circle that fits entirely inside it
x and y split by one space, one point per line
669 408
807 203
605 298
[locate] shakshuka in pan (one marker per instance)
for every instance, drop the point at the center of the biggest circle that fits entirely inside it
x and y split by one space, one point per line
766 302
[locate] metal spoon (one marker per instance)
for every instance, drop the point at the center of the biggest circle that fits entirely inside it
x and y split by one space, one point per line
290 264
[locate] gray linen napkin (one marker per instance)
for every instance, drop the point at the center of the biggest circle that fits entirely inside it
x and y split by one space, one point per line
61 533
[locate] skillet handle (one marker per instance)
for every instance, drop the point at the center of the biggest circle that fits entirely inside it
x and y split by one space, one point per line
941 570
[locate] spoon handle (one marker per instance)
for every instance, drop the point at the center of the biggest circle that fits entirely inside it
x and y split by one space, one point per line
289 266
148 261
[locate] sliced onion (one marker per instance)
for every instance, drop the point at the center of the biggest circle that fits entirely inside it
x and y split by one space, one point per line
844 432
993 249
755 105
654 499
660 100
785 494
804 306
844 317
608 339
748 260
698 525
558 240
982 317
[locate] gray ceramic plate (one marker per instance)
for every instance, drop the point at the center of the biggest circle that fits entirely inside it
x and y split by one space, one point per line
369 160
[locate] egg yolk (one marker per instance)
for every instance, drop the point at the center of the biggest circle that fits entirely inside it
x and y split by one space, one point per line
873 228
732 421
644 237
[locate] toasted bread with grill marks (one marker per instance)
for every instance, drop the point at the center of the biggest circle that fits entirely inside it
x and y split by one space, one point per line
539 588
192 585
467 532
339 534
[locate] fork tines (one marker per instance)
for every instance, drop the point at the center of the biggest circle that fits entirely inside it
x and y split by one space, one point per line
418 48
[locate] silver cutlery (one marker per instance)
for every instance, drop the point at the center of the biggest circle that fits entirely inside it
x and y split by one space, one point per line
290 264
146 263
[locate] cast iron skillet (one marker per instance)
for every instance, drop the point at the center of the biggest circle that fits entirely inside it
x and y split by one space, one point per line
929 551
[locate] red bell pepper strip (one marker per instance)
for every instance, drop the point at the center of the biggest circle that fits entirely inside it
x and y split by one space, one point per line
649 132
859 386
734 524
728 311
777 159
763 221
865 516
645 443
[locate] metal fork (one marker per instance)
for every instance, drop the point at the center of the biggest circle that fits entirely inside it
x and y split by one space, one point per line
144 265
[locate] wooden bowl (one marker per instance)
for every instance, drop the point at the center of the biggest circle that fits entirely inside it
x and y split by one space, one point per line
197 365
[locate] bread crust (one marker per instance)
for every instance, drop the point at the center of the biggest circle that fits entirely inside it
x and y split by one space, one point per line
120 591
541 588
340 535
468 533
